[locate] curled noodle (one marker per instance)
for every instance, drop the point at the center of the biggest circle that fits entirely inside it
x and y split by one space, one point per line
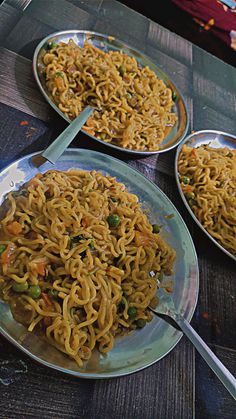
92 279
133 106
208 180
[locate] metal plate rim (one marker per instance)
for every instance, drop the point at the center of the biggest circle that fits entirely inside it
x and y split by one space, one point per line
190 314
54 106
186 140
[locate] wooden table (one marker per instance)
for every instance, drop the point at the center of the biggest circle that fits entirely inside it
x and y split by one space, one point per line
181 385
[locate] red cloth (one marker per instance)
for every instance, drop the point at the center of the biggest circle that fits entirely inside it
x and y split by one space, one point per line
212 15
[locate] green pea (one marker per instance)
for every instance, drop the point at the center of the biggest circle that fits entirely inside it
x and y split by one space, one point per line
20 287
113 220
190 195
34 291
141 323
174 96
132 312
185 180
2 248
122 70
114 199
155 228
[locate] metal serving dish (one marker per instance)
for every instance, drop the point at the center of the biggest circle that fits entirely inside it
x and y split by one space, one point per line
108 43
215 139
140 348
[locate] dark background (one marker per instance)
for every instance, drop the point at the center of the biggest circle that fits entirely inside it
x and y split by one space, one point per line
176 20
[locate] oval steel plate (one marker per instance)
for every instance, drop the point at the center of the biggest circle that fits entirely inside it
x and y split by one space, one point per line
214 139
140 348
108 43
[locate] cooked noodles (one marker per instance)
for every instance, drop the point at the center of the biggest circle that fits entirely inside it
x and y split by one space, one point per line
79 260
208 180
133 104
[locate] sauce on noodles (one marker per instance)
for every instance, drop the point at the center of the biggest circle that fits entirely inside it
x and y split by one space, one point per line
208 180
79 260
133 104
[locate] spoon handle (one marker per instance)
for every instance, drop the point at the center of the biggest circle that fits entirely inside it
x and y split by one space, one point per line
214 363
55 150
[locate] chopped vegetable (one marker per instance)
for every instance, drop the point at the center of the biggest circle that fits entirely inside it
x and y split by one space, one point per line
23 123
2 248
141 323
192 202
77 239
113 220
34 291
141 238
155 228
53 293
132 312
41 268
59 74
114 199
174 95
85 222
122 70
190 195
14 228
91 245
50 46
20 287
185 180
121 306
21 192
47 299
103 135
6 254
193 153
169 216
129 95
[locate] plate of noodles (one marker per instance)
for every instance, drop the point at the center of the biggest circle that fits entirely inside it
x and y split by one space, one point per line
85 245
137 108
205 168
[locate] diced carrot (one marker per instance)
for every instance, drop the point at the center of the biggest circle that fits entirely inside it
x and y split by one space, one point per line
40 268
187 188
89 130
14 228
47 299
59 83
85 222
193 153
22 123
6 255
141 238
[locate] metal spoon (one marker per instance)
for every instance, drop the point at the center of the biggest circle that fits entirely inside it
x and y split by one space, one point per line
58 146
166 309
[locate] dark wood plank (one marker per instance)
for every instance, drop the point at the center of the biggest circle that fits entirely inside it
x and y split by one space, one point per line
30 390
8 19
170 43
18 87
70 16
212 399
